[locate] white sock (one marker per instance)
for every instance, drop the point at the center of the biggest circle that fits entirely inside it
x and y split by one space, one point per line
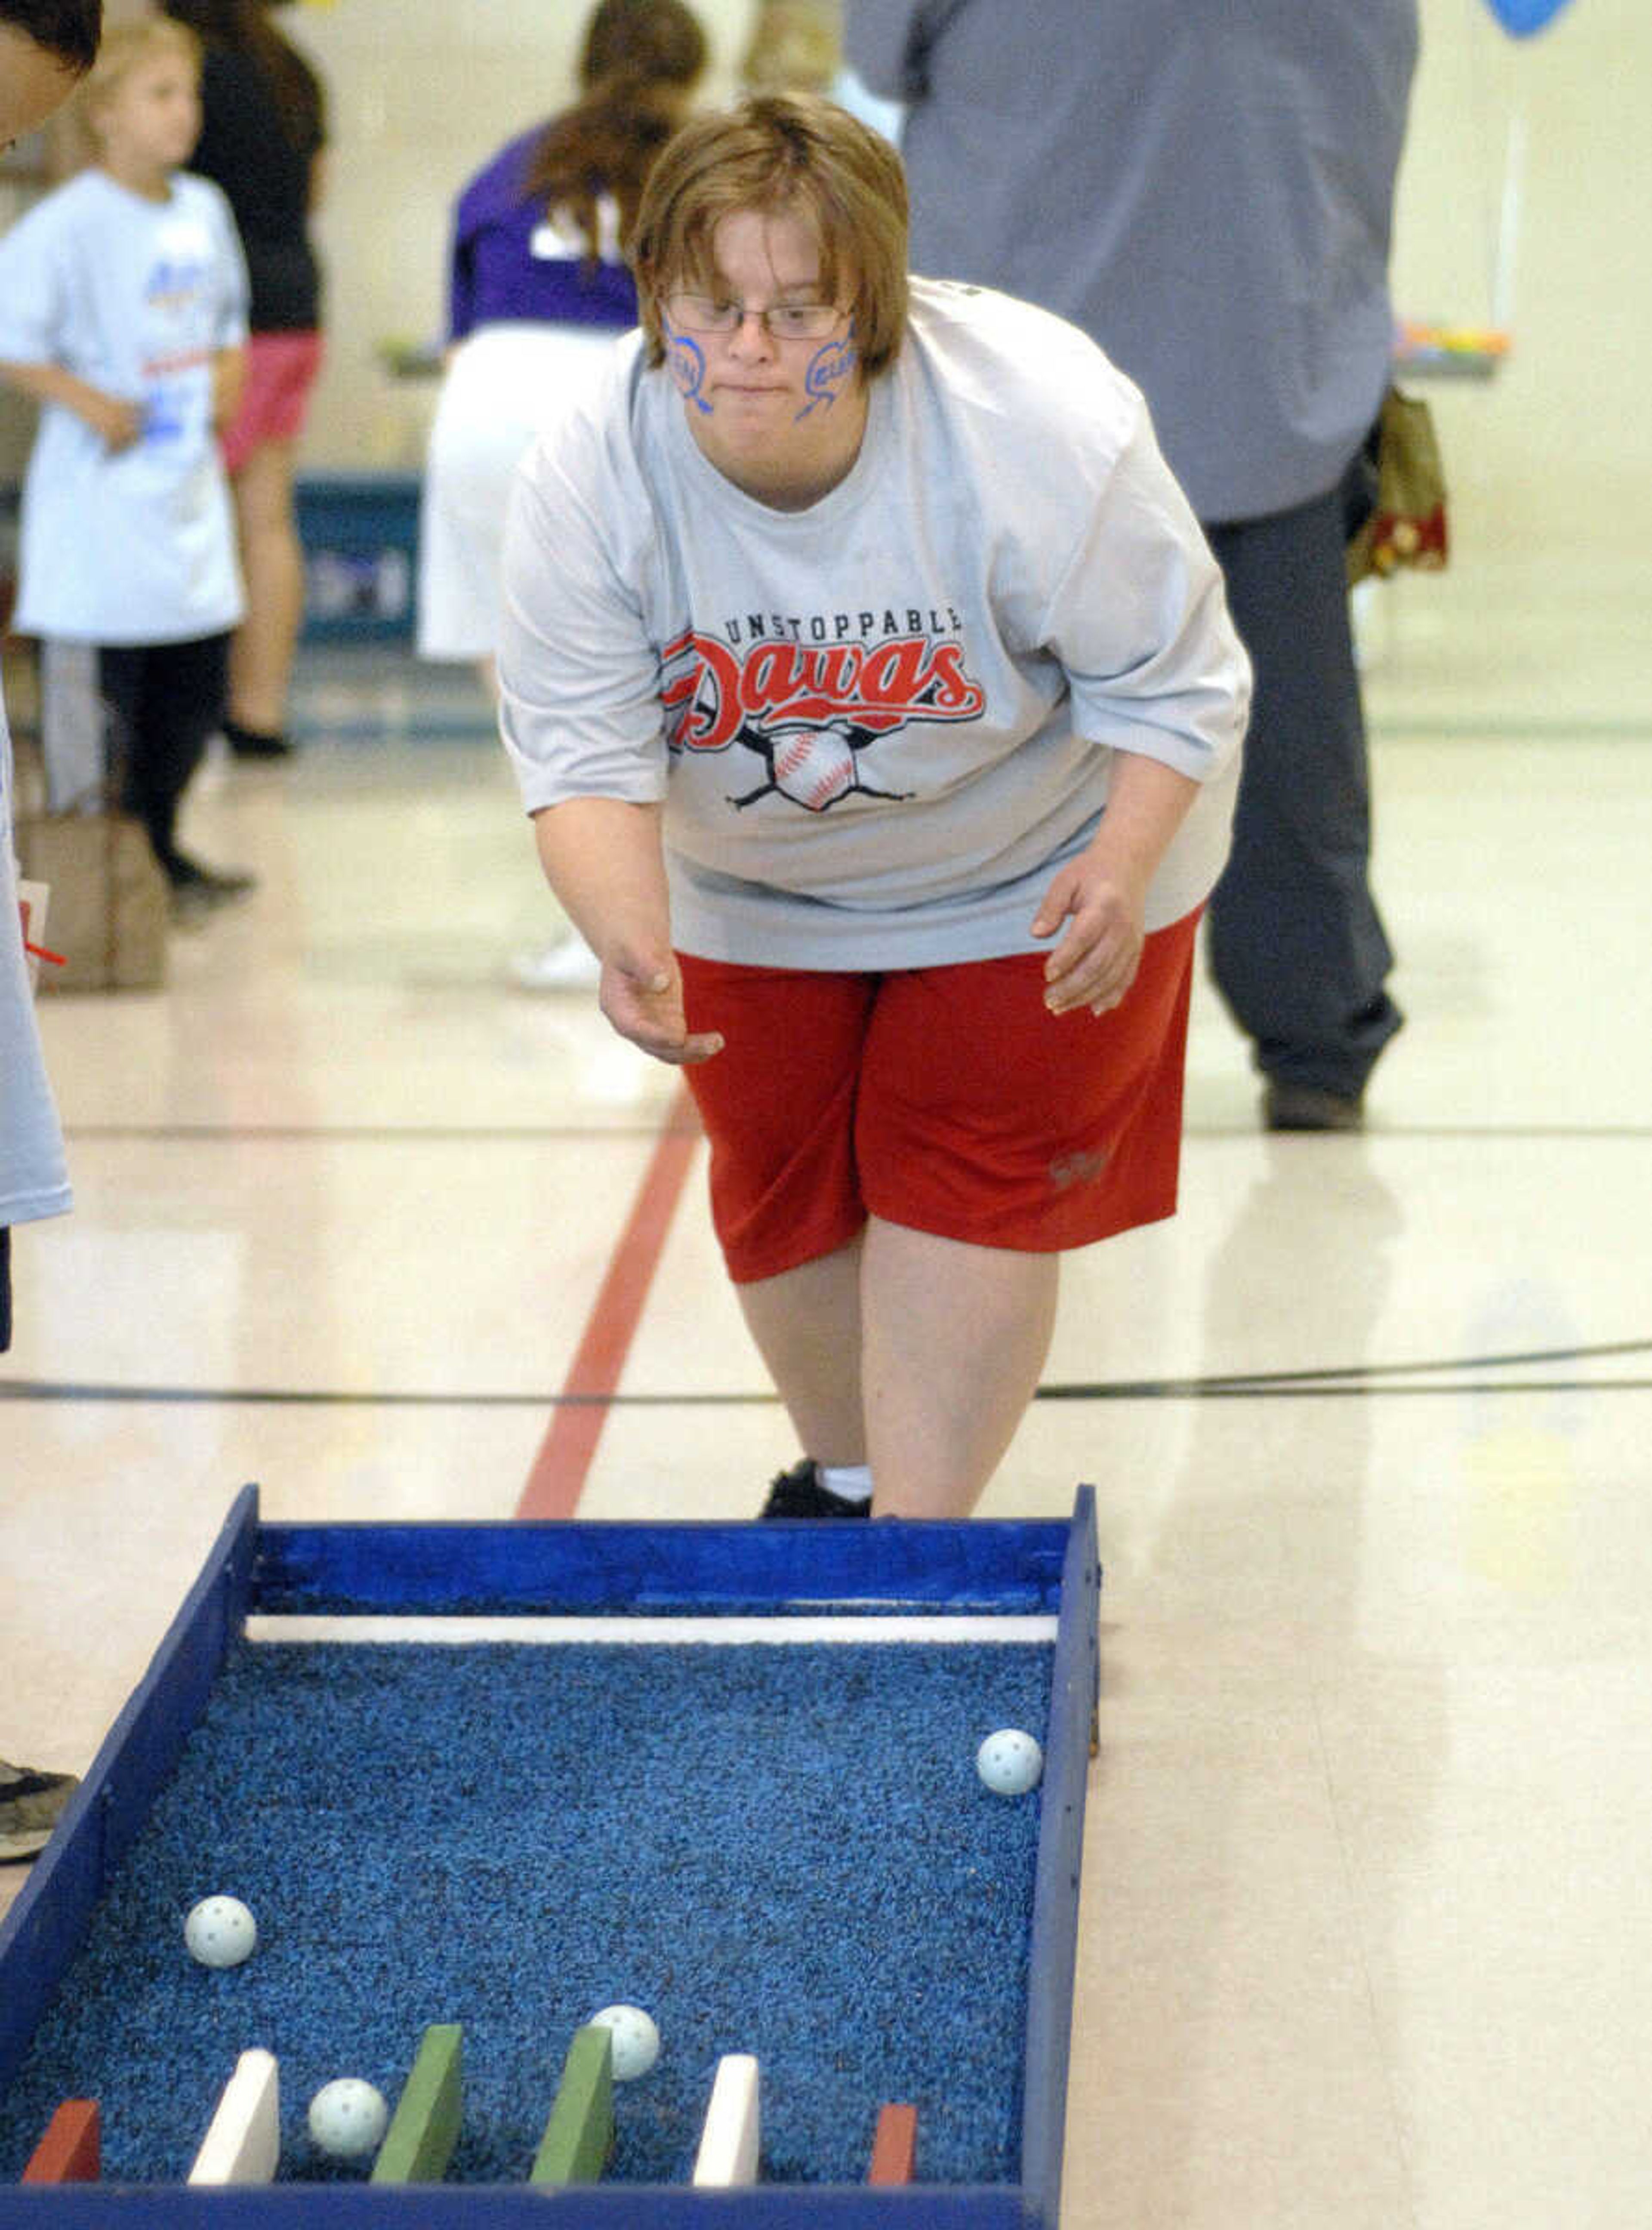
852 1482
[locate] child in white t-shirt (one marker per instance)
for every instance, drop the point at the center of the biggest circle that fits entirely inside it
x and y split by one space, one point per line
123 307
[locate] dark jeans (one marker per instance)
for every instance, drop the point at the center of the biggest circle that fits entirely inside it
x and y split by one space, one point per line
164 701
5 1289
1296 946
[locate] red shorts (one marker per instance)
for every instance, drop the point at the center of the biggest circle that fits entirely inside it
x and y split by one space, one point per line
281 370
948 1099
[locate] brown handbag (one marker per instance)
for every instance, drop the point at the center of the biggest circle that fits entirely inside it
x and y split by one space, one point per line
110 905
109 898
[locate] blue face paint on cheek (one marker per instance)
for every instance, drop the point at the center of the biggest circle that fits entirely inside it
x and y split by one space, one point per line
688 368
829 371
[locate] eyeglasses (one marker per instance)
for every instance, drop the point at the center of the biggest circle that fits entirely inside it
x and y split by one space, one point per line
781 321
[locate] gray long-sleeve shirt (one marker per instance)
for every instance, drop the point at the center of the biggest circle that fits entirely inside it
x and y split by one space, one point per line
1205 187
879 725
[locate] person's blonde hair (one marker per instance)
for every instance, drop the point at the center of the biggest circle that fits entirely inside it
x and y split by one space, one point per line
794 47
126 47
781 155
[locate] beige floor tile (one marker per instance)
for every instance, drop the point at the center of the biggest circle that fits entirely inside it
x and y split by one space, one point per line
1499 1851
1364 1912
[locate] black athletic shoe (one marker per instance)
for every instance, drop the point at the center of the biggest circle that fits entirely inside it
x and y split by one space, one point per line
197 891
799 1493
254 744
29 1805
221 884
1287 1107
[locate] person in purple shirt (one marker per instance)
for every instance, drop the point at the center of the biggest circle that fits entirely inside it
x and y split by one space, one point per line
538 293
499 272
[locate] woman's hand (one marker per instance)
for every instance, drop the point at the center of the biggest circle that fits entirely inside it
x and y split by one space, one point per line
1096 961
641 994
1101 895
602 858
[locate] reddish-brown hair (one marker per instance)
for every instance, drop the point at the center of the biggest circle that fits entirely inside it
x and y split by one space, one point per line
641 59
781 154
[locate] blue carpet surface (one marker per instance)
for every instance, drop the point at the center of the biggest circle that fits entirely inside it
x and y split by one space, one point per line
781 1849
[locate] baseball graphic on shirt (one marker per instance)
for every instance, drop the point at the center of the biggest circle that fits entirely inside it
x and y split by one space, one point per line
813 766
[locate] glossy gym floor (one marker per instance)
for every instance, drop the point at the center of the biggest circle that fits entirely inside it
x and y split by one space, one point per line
1365 1917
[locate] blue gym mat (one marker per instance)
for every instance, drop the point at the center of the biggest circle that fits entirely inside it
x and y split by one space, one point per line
780 1849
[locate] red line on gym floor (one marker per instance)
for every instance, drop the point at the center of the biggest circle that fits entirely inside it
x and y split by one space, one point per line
559 1472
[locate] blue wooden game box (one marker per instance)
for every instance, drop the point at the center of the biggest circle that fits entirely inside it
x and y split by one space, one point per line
1047 1568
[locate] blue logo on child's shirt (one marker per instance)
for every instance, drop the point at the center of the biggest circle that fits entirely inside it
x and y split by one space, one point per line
166 416
176 283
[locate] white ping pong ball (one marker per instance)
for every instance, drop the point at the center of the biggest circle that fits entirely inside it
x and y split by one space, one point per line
1010 1762
636 2040
221 1932
347 2117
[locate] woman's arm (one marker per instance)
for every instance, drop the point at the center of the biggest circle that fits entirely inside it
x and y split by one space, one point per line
1101 896
603 859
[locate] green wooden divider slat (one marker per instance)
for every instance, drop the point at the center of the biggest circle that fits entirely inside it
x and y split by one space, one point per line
579 2135
424 2130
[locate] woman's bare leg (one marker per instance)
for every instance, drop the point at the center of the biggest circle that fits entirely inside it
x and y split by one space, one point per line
272 560
953 1342
914 1354
806 1324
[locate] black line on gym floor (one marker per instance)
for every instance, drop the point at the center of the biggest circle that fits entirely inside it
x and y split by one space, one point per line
1369 1383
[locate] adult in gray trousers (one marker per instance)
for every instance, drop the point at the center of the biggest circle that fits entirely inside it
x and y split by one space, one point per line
1208 191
